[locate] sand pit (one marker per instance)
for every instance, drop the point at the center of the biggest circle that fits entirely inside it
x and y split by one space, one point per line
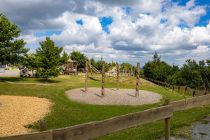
19 111
113 96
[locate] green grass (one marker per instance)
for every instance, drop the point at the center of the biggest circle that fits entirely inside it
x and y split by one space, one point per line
66 113
155 130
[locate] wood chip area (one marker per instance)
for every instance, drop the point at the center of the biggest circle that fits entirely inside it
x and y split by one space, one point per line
113 96
19 111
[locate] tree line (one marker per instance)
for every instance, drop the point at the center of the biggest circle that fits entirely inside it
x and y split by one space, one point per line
192 74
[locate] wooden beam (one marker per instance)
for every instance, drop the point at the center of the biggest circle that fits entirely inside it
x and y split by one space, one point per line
102 80
47 135
86 75
118 76
167 129
95 129
137 80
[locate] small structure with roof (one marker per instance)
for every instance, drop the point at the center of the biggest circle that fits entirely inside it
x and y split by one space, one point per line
70 67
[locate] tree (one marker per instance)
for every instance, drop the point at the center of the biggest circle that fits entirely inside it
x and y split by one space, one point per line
11 49
31 62
190 74
156 57
126 66
49 58
80 58
157 69
65 57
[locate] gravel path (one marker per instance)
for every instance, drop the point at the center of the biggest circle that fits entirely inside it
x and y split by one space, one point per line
18 83
113 96
19 111
10 73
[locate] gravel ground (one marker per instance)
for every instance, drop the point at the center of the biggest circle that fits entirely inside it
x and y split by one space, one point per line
19 111
113 96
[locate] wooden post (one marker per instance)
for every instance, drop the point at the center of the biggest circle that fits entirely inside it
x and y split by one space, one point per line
131 70
76 69
137 79
205 91
86 76
167 128
102 81
179 88
194 93
185 90
118 77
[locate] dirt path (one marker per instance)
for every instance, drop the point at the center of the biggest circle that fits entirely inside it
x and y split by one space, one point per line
113 97
10 73
19 111
18 83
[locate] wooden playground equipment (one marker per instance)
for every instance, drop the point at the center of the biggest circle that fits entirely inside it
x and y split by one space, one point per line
70 67
89 67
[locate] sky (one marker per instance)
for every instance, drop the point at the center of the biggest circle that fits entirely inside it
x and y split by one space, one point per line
117 30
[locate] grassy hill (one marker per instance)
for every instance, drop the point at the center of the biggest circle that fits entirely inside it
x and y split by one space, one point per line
65 112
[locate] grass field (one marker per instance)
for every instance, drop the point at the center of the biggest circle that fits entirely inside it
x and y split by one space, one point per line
65 112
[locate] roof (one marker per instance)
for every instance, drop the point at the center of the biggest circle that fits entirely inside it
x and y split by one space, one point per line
70 60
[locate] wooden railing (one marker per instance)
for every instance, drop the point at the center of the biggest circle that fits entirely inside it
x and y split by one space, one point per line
99 128
184 89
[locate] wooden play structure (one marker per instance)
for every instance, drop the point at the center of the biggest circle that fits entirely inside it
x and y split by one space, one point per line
89 67
70 67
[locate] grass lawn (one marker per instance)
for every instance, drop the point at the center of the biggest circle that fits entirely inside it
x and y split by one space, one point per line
65 112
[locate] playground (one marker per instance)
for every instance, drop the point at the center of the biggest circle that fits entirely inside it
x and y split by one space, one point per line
74 99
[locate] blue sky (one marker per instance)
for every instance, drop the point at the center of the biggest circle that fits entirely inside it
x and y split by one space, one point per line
105 22
47 33
203 19
123 31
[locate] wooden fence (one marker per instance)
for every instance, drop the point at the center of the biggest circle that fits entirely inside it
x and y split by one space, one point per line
183 89
99 128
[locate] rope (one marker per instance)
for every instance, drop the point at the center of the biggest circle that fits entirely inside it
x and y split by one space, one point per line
94 69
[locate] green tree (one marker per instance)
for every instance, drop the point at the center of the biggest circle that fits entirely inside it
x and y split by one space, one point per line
126 66
49 58
11 49
157 69
190 74
31 62
156 57
65 57
80 58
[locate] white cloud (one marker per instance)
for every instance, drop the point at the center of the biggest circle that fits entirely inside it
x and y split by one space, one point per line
132 36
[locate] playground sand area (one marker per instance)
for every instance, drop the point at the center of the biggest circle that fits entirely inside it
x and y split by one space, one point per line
16 112
113 96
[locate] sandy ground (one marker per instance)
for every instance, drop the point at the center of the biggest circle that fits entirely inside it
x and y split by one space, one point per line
113 96
19 111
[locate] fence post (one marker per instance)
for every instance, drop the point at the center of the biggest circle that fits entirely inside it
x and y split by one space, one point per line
205 91
194 93
137 79
167 128
178 88
102 80
185 90
118 74
86 76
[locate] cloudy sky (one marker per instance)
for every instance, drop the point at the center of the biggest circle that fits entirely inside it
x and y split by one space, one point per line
117 30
